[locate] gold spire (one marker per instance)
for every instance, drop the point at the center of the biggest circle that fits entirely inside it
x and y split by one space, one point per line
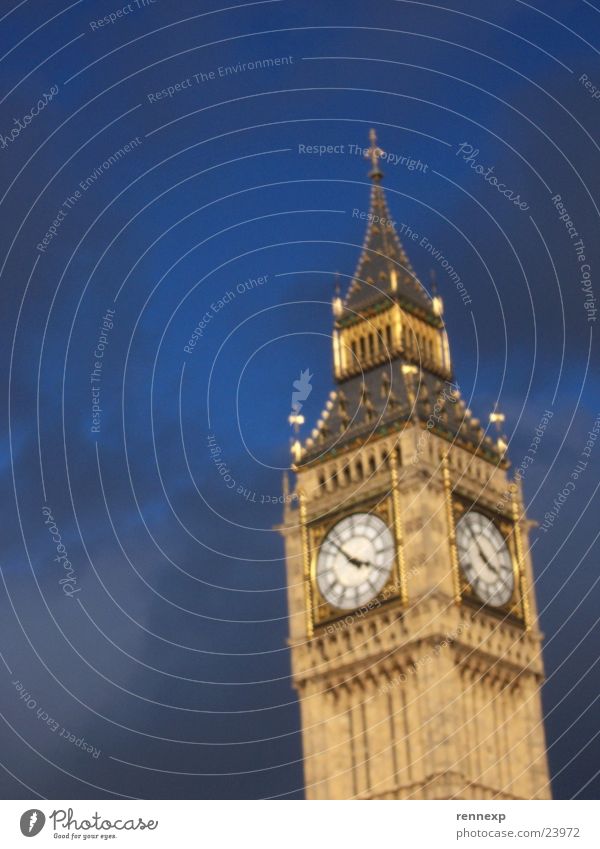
374 153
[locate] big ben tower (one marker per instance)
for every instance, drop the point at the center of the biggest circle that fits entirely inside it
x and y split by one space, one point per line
415 646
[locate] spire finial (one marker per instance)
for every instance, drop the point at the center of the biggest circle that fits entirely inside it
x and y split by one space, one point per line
374 153
337 303
434 288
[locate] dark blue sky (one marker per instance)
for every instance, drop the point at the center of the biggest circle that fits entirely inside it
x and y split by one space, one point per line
170 659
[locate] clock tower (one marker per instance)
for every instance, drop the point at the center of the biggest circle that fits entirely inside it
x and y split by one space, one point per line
415 647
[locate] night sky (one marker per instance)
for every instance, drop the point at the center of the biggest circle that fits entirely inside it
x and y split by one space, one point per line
164 184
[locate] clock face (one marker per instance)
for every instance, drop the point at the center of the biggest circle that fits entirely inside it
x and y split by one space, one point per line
485 559
355 561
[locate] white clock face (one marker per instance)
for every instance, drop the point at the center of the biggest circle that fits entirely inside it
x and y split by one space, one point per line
355 561
485 558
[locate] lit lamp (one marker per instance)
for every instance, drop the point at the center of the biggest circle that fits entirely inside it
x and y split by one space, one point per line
297 450
437 305
296 420
498 419
436 302
337 303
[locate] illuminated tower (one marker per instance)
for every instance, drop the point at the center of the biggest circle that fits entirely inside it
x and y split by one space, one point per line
416 652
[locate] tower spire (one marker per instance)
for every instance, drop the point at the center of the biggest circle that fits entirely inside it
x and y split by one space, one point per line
383 268
374 153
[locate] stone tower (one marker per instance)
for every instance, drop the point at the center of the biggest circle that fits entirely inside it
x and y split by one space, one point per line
415 647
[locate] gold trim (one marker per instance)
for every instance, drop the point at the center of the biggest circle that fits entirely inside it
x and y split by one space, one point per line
451 530
520 559
308 590
486 503
398 530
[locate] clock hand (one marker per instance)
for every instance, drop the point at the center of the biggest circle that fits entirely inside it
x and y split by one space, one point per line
353 560
505 579
358 563
339 547
493 568
490 566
